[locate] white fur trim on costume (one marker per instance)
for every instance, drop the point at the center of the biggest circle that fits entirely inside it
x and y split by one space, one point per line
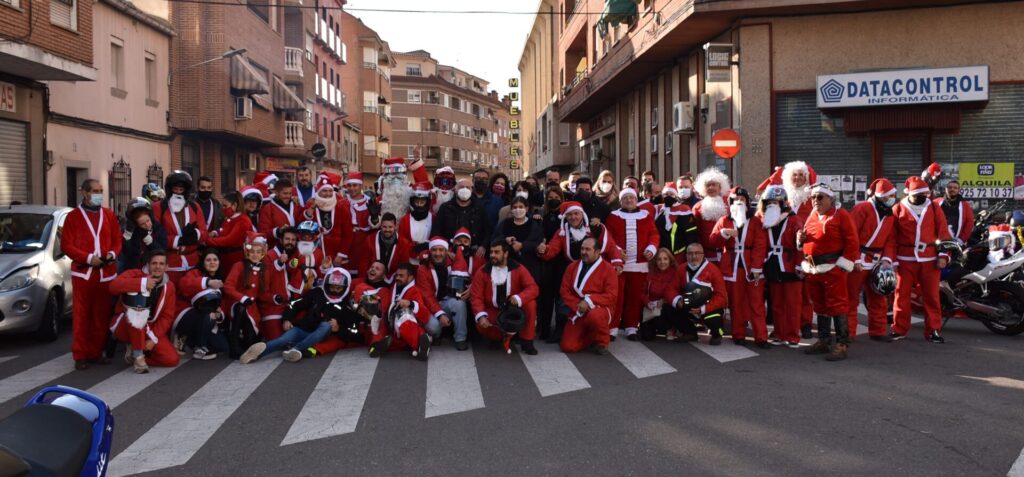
482 314
844 264
819 189
437 243
627 191
915 191
711 174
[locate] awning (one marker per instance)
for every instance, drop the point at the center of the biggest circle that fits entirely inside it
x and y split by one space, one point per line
246 78
285 99
615 12
263 101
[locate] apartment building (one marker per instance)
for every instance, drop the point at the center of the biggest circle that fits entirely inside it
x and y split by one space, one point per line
113 128
366 132
40 41
330 54
448 117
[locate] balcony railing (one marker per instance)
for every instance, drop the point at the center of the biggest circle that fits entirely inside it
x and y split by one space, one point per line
370 108
369 65
293 60
293 134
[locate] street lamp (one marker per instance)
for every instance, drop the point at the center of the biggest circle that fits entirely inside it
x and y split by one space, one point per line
225 55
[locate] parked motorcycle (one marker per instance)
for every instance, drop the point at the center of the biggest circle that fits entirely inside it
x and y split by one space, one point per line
62 432
979 286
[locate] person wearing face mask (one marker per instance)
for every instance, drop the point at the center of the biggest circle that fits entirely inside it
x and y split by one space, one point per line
550 220
211 208
523 234
307 268
831 246
500 195
525 190
675 224
684 187
331 212
697 272
142 234
781 264
466 212
959 213
200 321
386 246
710 184
230 237
252 202
920 226
145 314
444 187
92 240
415 226
874 221
606 190
744 245
632 229
184 222
595 208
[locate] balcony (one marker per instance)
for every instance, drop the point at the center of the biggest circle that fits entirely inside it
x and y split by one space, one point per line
369 65
293 134
293 60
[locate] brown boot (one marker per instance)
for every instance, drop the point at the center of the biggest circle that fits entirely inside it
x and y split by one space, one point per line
838 353
819 347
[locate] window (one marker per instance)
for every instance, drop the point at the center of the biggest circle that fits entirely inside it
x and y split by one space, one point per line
261 8
151 84
369 144
413 70
414 96
414 124
13 3
117 66
369 102
64 13
190 158
444 126
228 169
369 58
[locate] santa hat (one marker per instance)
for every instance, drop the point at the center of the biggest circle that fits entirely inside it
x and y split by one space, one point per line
328 180
419 173
881 188
670 189
798 166
422 190
354 178
998 231
266 178
709 175
462 232
437 241
737 192
459 266
394 165
823 188
932 173
774 179
248 191
570 206
627 191
915 185
441 171
254 238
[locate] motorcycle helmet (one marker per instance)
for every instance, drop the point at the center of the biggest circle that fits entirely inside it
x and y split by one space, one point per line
1017 219
308 229
207 302
511 319
883 279
179 178
138 301
369 305
336 283
137 205
152 192
696 295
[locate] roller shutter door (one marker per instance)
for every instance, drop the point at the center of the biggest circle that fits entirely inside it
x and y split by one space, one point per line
13 162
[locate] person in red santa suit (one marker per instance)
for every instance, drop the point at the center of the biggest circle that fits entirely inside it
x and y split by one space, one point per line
332 213
919 227
407 316
395 192
444 281
386 246
265 182
307 268
279 213
230 237
249 282
710 184
874 221
959 213
92 240
252 202
785 285
633 230
831 247
145 314
462 242
414 227
279 262
183 220
359 213
501 283
745 246
698 273
444 187
575 227
589 289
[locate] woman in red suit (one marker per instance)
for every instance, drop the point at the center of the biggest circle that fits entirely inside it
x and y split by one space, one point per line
249 289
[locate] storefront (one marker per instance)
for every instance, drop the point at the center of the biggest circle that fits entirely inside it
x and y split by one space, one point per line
22 124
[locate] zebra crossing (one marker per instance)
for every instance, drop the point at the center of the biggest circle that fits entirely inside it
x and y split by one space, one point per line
336 404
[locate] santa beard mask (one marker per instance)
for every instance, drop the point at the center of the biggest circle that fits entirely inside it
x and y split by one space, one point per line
306 248
395 193
798 195
442 196
176 203
326 204
772 216
738 212
712 208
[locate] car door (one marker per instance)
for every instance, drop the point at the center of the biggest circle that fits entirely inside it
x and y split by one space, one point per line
60 260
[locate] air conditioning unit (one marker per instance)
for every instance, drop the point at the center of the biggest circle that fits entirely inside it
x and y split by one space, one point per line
654 143
243 108
682 117
251 162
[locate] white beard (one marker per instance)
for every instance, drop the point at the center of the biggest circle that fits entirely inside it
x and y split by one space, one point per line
772 217
326 204
441 196
798 195
395 193
712 208
578 234
738 212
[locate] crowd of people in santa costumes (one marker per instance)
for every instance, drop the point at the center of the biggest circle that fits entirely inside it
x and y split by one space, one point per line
329 262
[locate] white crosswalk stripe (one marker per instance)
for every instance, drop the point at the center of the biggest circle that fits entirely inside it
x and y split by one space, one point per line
180 434
452 382
639 359
120 387
25 381
553 372
334 406
724 353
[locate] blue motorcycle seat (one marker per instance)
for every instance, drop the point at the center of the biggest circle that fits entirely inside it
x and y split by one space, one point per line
54 440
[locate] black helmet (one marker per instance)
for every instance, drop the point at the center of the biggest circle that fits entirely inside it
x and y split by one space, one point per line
207 302
696 295
369 306
181 178
883 279
511 319
136 205
1017 219
135 300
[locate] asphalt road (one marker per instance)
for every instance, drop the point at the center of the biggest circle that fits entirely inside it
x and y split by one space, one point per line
907 408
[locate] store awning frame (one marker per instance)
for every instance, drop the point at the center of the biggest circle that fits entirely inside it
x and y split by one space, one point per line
614 13
246 78
285 99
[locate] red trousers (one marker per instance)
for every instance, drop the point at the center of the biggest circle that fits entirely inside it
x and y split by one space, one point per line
909 274
828 292
587 330
806 307
630 306
333 343
162 354
90 309
408 334
787 309
494 333
876 304
746 305
270 323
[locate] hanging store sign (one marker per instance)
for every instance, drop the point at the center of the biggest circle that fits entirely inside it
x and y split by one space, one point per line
986 180
7 103
899 87
718 63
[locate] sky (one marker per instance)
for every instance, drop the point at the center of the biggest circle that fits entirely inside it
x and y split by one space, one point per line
485 45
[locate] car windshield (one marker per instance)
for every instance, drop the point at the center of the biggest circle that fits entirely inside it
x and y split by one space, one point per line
21 232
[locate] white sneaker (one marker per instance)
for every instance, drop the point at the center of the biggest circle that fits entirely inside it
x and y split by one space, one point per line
253 353
203 354
671 335
292 355
140 366
613 332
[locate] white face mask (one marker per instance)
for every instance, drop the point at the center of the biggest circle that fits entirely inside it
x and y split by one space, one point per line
177 203
772 215
307 248
685 193
889 201
326 203
518 213
136 317
523 194
464 194
605 187
738 212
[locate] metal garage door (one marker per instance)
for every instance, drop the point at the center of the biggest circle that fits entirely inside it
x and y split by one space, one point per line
13 162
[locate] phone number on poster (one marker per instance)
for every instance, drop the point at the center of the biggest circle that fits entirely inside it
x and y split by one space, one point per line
986 193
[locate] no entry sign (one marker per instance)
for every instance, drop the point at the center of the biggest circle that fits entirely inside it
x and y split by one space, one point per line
726 143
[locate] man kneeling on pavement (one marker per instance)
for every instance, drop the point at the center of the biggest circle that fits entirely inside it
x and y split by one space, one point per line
145 314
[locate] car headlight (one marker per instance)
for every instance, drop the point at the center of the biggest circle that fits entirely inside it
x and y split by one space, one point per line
19 279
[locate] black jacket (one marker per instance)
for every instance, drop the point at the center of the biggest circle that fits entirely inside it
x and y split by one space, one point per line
313 308
450 217
134 250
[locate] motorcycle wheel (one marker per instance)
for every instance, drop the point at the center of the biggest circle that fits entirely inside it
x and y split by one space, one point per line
1008 296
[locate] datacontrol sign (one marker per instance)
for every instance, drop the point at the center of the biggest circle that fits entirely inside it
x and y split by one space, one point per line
899 87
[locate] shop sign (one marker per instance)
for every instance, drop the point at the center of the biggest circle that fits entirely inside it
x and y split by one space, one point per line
900 87
986 180
7 98
282 164
719 63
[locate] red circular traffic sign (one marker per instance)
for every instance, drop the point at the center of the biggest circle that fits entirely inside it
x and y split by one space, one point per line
726 143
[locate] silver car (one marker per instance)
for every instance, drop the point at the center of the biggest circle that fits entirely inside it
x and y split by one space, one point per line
35 278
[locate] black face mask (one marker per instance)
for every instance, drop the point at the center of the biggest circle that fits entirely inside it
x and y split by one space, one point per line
420 213
479 186
657 199
554 203
550 184
204 195
918 199
583 195
669 201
